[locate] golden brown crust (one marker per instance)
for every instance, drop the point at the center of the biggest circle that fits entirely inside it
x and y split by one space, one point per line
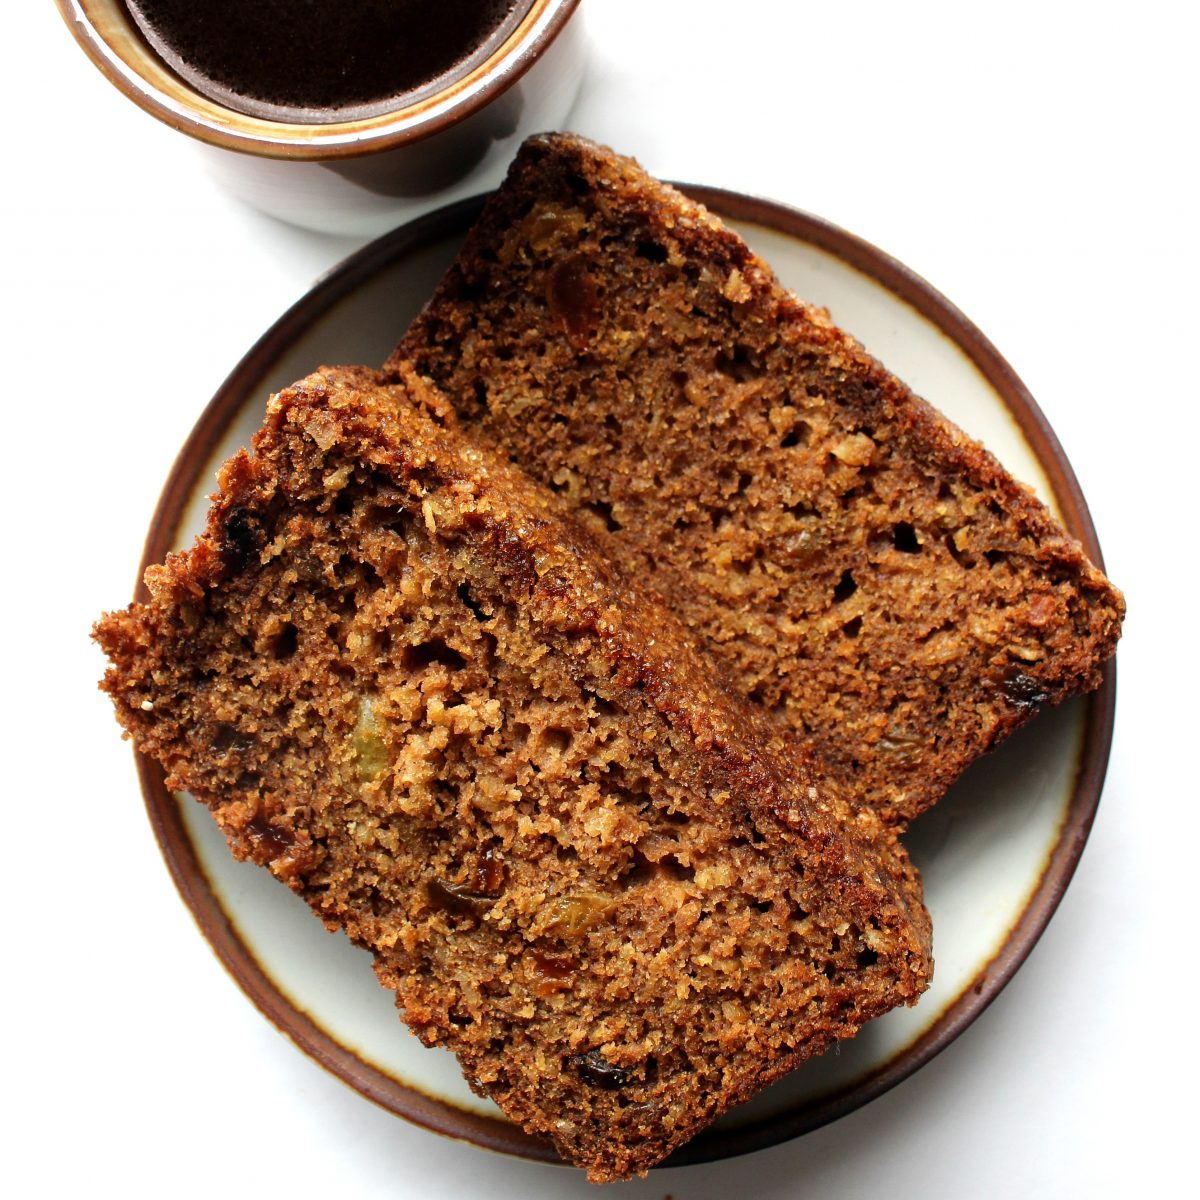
864 569
404 681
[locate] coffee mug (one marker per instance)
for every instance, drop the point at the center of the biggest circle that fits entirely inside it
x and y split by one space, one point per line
361 173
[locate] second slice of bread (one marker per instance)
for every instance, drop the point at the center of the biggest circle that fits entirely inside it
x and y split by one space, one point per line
864 569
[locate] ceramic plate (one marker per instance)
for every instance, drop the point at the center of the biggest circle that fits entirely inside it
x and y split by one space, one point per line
996 854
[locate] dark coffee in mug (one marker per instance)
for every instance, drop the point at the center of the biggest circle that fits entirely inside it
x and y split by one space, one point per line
323 60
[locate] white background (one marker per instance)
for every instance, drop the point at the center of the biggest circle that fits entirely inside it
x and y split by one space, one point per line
1034 161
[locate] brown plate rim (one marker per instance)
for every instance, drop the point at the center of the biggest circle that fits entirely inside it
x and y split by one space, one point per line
718 1143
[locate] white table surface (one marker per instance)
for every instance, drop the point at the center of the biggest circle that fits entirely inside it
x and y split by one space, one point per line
1034 161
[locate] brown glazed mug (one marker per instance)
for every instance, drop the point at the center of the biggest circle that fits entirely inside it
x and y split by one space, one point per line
360 175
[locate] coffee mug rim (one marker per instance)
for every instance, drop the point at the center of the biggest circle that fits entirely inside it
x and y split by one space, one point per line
192 113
